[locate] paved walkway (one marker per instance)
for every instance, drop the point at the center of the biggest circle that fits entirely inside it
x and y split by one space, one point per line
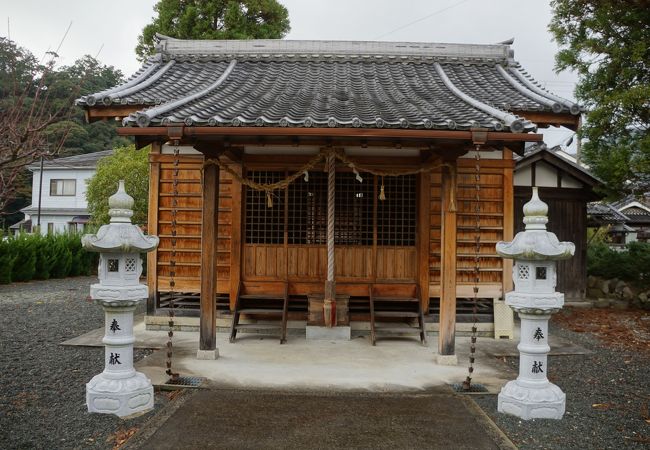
237 419
323 394
256 361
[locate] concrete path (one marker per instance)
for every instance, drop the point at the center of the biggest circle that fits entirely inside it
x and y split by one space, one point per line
236 419
260 362
323 394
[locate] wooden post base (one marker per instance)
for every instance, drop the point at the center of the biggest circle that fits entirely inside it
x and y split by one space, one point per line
316 306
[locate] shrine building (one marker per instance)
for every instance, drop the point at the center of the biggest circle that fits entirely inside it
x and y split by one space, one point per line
291 180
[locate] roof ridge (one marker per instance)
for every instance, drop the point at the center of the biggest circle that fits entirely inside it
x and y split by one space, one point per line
172 46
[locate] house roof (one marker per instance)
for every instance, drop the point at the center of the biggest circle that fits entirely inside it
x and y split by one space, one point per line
84 161
278 83
636 209
32 209
604 213
555 156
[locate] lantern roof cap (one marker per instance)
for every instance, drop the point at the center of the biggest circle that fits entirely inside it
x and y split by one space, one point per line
535 242
120 235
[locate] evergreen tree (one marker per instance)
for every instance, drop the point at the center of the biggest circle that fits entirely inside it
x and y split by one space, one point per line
214 19
607 42
126 164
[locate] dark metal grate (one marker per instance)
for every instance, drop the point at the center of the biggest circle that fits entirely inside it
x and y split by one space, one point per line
475 387
308 210
397 216
354 210
264 225
185 381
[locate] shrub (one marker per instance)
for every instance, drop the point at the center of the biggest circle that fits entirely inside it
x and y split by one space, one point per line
632 264
62 257
25 264
7 258
30 256
639 255
45 257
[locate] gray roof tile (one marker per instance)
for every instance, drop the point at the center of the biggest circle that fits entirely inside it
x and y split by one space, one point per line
328 84
85 160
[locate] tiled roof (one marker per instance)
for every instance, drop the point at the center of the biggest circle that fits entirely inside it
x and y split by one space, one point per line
605 213
281 83
86 160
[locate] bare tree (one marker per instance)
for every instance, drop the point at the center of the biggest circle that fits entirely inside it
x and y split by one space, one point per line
26 112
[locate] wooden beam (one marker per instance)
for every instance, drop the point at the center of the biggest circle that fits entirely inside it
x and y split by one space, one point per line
110 112
209 223
447 336
362 133
424 228
546 119
152 228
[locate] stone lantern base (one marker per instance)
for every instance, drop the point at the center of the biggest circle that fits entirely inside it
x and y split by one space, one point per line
546 401
122 397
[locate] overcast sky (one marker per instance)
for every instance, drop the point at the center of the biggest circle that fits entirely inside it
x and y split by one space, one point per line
113 26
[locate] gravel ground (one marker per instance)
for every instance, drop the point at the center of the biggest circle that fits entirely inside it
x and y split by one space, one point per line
42 401
608 393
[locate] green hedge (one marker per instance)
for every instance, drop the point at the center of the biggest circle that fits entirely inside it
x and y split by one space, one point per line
31 256
631 264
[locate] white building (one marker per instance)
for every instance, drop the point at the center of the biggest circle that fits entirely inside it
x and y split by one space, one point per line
63 205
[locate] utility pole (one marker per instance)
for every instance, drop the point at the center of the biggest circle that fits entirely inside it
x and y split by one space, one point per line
40 195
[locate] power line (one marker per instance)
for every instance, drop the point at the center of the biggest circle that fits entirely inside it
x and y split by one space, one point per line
422 19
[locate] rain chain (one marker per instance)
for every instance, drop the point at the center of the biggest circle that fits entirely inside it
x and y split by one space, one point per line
467 384
172 262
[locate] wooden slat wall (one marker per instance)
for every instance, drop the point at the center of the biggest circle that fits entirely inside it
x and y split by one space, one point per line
309 263
493 197
188 224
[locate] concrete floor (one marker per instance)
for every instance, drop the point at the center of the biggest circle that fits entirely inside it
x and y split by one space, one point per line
258 361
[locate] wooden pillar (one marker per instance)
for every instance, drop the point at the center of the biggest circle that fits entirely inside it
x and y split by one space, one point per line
508 218
424 239
447 335
235 240
209 225
152 228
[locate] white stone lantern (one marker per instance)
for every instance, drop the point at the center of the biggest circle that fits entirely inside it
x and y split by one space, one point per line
119 389
535 252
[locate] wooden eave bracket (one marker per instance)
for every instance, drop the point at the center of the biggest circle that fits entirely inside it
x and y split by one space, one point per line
548 119
479 136
95 113
175 132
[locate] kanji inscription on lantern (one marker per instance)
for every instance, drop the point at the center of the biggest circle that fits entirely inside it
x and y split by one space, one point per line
538 334
114 359
114 326
537 367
